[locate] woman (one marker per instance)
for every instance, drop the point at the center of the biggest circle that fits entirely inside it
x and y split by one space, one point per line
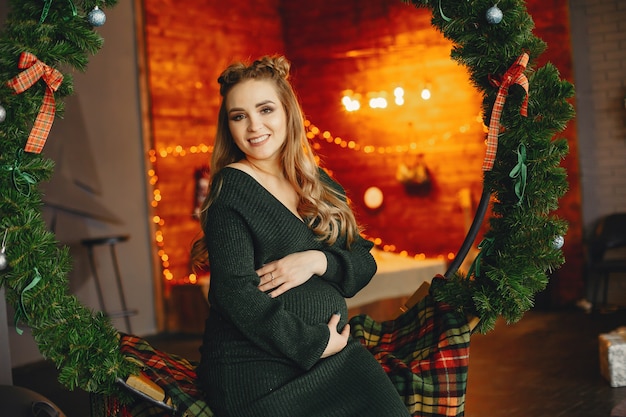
284 250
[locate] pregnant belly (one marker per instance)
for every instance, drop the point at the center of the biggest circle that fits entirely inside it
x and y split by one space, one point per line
315 301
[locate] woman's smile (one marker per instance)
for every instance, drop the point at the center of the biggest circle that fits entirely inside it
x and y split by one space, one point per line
258 140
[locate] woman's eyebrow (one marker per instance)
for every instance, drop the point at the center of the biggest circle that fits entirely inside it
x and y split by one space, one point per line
262 103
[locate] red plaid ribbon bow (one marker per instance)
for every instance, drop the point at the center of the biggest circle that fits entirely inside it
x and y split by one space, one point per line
514 75
34 69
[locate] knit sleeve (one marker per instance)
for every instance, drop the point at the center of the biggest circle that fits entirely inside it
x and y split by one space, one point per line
234 294
350 269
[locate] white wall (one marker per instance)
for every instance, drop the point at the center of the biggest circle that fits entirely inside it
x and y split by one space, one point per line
101 176
599 47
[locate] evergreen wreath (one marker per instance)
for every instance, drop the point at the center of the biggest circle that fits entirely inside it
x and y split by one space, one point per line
525 181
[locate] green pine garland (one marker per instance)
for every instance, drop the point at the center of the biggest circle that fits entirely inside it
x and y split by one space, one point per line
518 249
83 345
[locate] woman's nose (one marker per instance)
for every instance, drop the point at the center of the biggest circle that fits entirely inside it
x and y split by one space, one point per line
253 123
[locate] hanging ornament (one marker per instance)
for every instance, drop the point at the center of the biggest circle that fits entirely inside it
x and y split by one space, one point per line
96 17
558 242
3 256
3 114
494 15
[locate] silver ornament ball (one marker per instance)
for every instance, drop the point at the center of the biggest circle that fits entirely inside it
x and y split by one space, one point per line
96 17
3 114
3 261
558 242
494 15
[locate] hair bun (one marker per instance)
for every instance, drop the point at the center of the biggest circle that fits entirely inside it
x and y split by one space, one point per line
269 66
275 63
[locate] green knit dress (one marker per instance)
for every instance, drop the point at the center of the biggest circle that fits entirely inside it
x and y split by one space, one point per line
261 355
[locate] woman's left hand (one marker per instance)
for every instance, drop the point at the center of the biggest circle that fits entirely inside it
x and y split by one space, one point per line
289 272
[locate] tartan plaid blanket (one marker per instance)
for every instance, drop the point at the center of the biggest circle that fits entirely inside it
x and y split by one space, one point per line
425 352
174 374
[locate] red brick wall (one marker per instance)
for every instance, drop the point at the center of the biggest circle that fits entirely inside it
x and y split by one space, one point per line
335 46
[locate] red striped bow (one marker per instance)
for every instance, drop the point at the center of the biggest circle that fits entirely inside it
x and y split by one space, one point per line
514 75
34 69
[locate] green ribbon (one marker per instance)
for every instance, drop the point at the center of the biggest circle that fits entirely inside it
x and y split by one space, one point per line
21 308
485 247
519 173
46 10
443 16
22 181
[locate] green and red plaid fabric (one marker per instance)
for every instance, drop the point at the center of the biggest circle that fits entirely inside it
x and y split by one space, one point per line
425 352
514 75
34 70
174 374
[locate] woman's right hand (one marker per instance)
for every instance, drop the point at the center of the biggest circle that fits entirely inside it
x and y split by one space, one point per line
337 341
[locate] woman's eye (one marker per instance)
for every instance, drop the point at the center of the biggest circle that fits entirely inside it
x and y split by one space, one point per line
237 117
267 110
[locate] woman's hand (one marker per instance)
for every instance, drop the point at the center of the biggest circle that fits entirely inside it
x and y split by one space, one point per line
337 341
292 270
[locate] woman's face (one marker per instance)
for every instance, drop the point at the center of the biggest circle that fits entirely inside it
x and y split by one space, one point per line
257 119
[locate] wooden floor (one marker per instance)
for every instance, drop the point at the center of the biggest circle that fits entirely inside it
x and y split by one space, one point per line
545 365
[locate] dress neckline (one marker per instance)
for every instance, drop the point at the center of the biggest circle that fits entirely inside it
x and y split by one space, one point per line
266 191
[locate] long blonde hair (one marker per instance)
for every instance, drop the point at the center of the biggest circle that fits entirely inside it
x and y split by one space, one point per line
326 211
